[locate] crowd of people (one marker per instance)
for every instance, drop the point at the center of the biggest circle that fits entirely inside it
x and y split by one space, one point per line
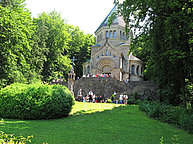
91 97
98 75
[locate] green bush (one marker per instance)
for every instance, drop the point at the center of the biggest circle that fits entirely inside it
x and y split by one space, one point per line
186 120
137 102
170 114
35 101
129 101
143 106
153 109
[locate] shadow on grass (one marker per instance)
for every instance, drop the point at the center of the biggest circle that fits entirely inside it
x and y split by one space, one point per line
98 123
13 123
81 111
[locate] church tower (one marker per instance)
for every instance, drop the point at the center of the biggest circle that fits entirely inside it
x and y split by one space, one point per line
110 55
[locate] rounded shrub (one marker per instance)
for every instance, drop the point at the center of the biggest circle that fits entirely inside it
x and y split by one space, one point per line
35 101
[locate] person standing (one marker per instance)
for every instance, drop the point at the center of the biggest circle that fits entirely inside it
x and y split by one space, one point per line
90 95
113 97
121 99
117 101
93 98
125 99
79 96
84 99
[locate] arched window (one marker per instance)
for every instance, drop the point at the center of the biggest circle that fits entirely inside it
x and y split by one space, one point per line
137 70
102 54
133 69
110 54
114 34
111 34
120 35
106 52
107 34
123 35
141 70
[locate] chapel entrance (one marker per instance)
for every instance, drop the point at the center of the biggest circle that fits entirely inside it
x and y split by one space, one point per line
107 69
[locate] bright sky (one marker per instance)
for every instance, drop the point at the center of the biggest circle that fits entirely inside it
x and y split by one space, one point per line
86 14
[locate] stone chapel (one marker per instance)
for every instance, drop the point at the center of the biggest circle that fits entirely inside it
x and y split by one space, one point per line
111 55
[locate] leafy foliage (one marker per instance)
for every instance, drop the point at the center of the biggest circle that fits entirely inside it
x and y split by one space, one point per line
35 101
38 48
58 43
16 30
54 39
174 139
12 139
79 47
170 114
164 42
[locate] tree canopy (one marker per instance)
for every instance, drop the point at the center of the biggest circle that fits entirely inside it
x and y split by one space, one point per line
165 43
38 48
16 28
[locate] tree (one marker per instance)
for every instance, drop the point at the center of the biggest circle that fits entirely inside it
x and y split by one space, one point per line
16 30
54 40
79 47
168 30
40 48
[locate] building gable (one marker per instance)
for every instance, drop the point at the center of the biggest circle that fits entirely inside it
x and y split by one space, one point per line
106 50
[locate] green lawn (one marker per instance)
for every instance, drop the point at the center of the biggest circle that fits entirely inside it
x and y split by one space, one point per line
98 123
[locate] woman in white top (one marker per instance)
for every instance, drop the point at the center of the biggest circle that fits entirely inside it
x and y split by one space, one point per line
121 99
125 99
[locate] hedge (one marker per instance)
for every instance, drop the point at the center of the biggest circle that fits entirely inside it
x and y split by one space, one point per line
35 101
173 115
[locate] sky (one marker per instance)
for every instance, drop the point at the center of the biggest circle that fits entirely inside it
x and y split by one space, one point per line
86 14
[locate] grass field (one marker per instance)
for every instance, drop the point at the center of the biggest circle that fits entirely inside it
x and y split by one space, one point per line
100 124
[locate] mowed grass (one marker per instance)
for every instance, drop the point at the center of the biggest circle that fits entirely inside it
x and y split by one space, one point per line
100 124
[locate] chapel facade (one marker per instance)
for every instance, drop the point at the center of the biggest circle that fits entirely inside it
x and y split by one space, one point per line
111 55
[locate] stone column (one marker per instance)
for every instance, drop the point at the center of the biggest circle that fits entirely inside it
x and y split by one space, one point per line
71 79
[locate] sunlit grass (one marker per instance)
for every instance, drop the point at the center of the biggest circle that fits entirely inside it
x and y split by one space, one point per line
99 123
85 108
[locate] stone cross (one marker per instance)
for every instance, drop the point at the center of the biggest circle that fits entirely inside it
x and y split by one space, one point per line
73 59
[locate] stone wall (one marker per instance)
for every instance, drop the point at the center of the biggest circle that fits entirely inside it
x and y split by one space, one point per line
105 86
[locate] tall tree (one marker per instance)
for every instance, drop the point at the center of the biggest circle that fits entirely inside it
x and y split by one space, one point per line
54 40
16 29
40 48
168 30
79 47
